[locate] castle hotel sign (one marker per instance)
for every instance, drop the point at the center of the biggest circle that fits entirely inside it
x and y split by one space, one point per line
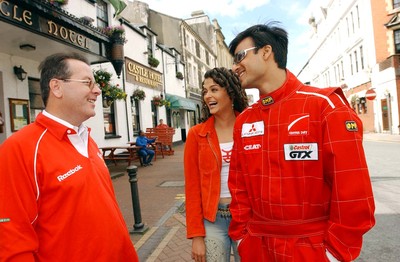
142 75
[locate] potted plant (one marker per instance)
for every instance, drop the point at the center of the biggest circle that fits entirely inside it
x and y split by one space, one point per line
110 92
116 33
58 2
153 62
138 94
179 75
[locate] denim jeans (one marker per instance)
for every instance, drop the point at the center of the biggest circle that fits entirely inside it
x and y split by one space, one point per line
147 155
218 243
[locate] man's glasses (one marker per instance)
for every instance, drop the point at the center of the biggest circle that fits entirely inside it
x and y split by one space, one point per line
90 83
239 56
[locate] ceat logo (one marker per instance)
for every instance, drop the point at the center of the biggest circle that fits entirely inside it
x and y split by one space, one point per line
253 129
252 147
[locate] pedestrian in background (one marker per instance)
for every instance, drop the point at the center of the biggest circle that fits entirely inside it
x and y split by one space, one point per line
206 164
298 178
57 200
145 152
161 124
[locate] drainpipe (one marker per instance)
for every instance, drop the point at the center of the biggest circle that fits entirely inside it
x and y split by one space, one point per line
126 103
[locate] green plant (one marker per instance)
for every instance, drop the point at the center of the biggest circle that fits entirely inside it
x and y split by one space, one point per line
115 32
158 101
153 62
179 75
138 94
61 2
109 91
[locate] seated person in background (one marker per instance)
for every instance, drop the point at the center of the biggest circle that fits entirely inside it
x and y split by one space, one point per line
144 152
161 124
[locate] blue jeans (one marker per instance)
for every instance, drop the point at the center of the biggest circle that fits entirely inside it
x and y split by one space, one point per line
218 243
147 155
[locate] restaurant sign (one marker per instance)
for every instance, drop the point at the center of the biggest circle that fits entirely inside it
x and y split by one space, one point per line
140 74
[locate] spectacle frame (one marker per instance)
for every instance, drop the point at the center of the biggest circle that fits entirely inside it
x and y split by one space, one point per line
90 83
239 56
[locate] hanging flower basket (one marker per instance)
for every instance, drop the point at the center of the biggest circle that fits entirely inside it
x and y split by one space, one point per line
109 91
153 62
115 33
158 101
179 75
138 94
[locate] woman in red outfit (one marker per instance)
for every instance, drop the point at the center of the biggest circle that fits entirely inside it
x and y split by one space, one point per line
206 159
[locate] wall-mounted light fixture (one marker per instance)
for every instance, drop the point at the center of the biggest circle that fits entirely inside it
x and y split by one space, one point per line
20 73
27 47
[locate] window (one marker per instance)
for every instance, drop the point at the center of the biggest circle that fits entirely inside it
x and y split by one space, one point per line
109 121
356 60
198 50
135 116
102 14
362 57
150 45
154 113
351 64
397 41
396 4
207 58
36 104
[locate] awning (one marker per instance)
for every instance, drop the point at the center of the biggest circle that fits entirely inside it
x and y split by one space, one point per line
179 102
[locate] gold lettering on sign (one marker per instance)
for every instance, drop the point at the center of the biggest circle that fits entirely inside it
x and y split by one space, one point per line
144 75
67 34
26 16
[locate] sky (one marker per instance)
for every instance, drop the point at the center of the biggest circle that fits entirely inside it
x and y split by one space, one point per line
235 16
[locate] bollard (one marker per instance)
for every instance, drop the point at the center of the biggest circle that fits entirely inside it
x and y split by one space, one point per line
138 227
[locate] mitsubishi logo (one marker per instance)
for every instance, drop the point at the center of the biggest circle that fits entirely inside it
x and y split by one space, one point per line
252 129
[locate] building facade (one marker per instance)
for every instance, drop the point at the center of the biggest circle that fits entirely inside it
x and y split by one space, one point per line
353 47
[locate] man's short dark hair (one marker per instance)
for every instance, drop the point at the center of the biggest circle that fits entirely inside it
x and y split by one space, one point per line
266 34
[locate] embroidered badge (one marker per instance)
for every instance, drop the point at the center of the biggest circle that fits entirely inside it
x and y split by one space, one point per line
253 129
351 126
298 125
267 101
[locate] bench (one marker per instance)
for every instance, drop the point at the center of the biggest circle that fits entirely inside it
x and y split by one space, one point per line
125 153
164 139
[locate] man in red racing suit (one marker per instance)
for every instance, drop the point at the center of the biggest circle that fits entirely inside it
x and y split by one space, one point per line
299 179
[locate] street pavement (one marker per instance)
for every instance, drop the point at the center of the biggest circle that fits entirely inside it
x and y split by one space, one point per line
158 231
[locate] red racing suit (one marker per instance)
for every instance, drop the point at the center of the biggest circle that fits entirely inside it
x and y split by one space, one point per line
299 178
56 204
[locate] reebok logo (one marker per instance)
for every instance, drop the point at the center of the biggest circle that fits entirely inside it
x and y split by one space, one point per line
69 173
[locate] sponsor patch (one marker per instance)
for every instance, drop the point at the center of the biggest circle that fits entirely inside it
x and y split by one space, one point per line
252 147
267 101
4 220
351 126
298 125
253 129
303 151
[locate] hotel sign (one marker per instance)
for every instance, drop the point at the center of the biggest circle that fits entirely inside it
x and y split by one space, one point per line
32 21
140 74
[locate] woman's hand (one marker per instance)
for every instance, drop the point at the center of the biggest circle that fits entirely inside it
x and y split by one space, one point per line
198 249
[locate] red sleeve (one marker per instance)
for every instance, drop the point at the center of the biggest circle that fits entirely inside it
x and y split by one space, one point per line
345 168
194 209
18 206
240 206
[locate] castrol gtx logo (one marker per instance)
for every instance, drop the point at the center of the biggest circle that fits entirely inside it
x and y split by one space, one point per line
304 151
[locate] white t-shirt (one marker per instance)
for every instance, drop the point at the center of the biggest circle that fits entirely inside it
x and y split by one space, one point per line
226 152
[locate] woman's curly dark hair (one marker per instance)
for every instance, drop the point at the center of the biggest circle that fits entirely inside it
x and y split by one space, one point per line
230 81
